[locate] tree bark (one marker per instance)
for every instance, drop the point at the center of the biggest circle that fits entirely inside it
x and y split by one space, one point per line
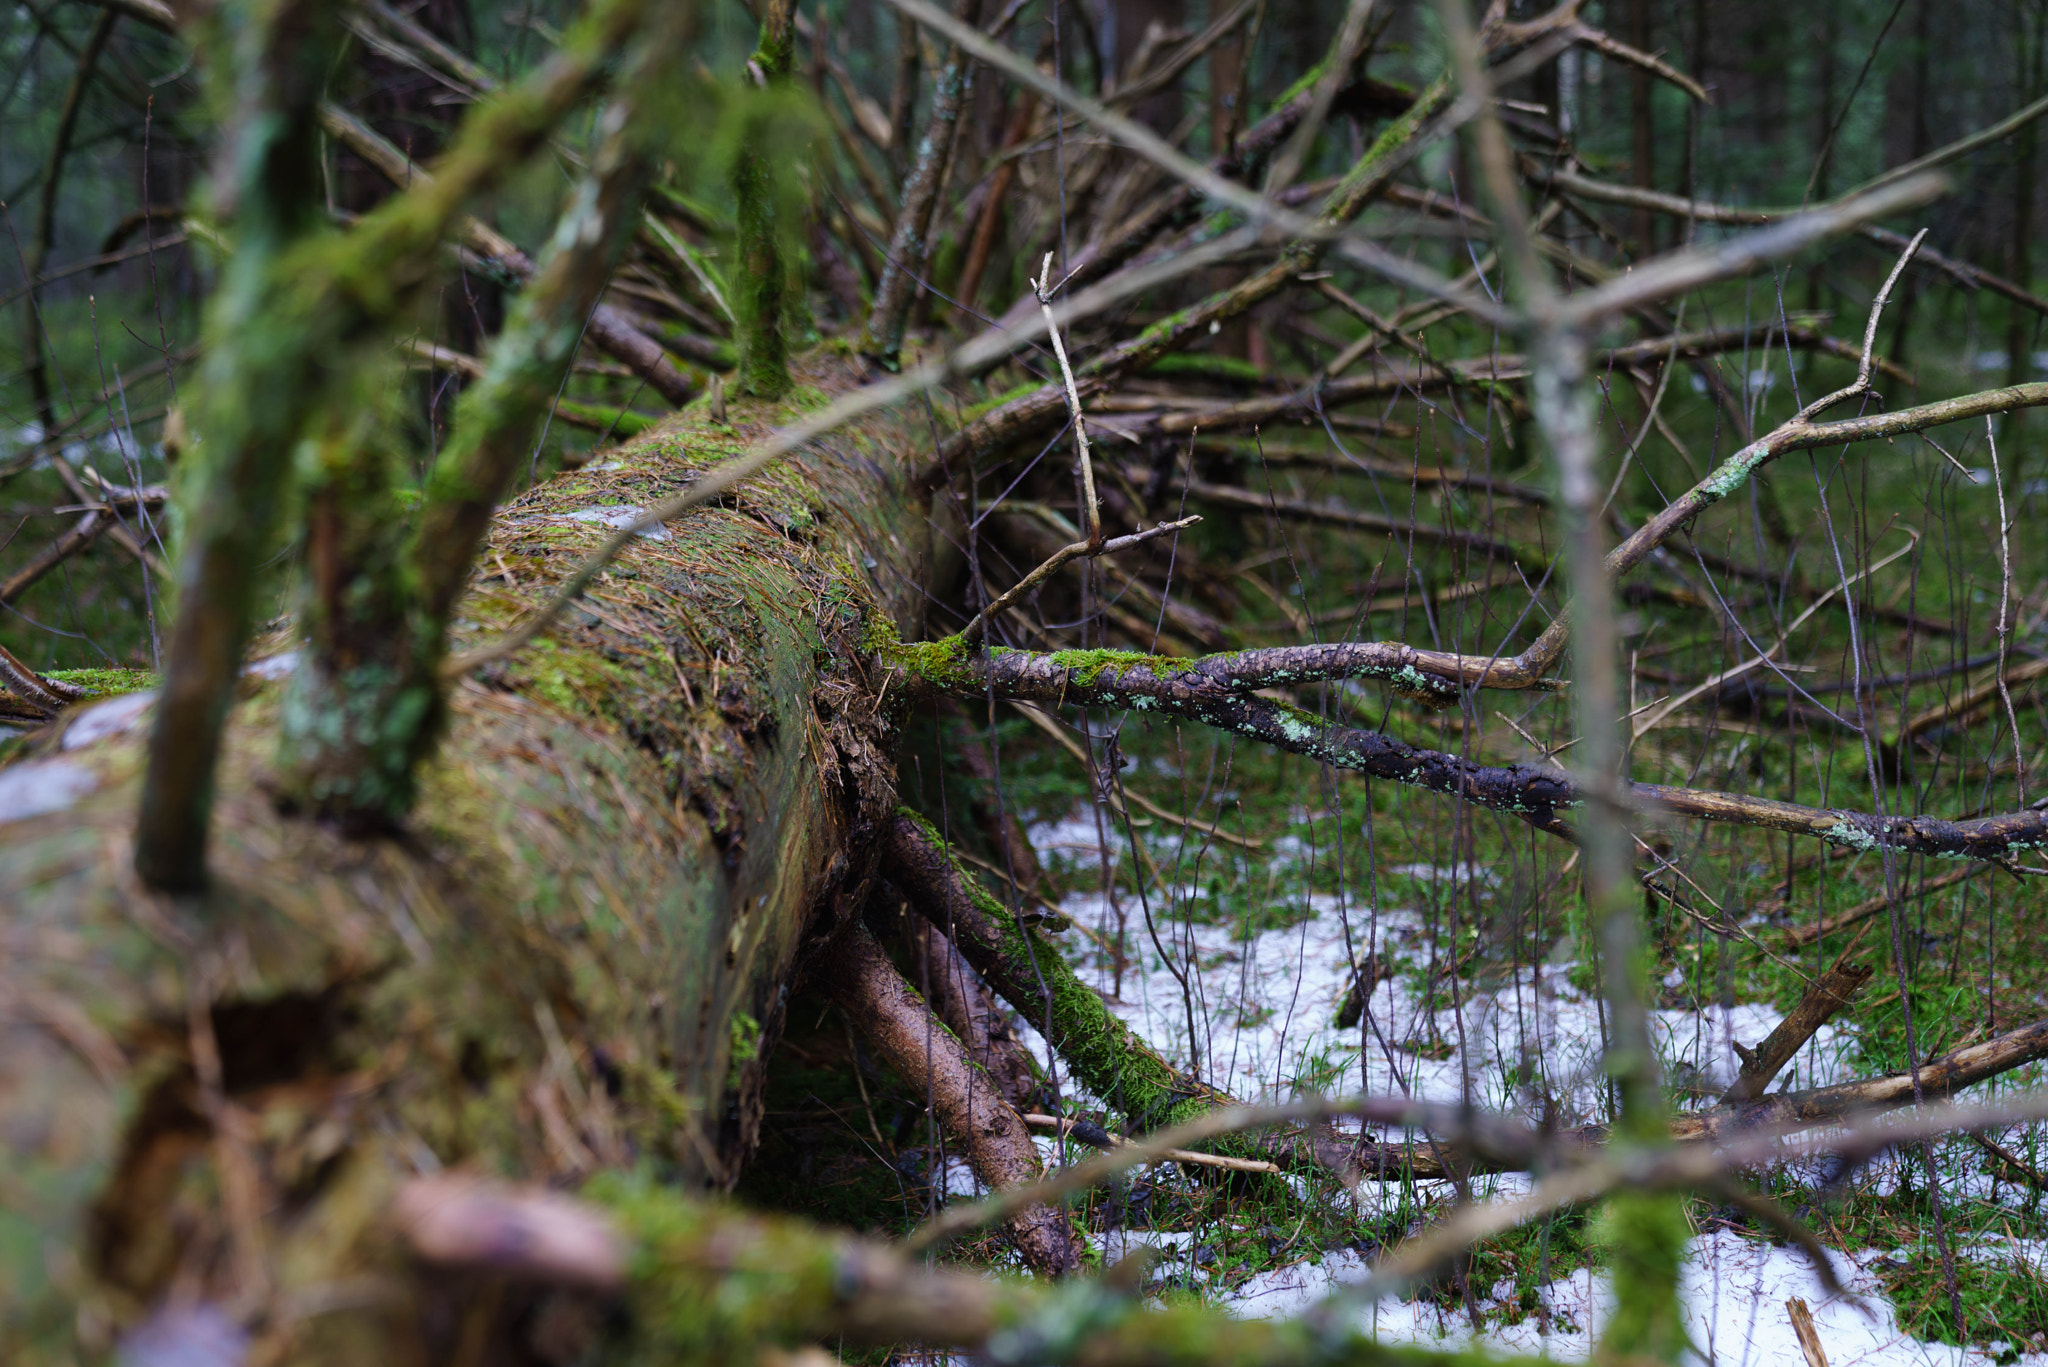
576 957
914 1042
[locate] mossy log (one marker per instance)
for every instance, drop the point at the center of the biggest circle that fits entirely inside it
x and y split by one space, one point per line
575 957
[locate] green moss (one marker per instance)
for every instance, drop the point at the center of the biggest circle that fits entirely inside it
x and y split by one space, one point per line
746 1045
774 1283
1089 665
1307 79
105 683
801 400
977 410
620 422
570 679
1228 368
945 664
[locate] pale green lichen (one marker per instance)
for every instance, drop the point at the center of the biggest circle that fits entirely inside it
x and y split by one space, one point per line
1410 677
1297 726
1732 473
1850 835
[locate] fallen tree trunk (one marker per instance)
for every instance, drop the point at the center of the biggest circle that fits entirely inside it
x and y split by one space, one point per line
577 956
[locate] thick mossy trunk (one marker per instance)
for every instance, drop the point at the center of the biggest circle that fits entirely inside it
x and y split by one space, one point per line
576 955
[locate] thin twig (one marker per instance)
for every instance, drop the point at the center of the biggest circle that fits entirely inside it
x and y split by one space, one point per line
2012 720
1091 510
973 630
1117 1141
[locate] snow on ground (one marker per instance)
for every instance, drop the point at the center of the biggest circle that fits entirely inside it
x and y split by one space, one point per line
1735 1291
1262 1016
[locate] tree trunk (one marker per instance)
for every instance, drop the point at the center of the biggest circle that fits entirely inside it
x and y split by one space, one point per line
578 956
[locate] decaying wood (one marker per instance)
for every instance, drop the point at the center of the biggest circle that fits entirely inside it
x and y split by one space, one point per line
579 951
1936 1079
1027 970
1803 1330
1871 906
927 1055
971 1012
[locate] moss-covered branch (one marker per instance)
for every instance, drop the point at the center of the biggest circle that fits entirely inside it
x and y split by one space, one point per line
763 301
1218 691
270 60
293 307
714 1285
705 1283
367 703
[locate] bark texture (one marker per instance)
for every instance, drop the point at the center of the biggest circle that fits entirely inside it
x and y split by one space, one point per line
914 1042
574 958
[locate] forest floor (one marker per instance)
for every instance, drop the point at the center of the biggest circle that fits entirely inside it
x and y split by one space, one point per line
1480 993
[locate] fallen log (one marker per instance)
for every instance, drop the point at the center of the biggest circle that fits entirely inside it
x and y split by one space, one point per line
578 954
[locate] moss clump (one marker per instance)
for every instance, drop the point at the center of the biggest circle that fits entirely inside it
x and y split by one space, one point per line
1231 369
986 406
105 683
618 422
1089 665
945 664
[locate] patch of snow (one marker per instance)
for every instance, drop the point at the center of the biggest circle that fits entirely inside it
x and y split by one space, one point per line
1263 1011
272 666
103 719
42 787
1076 839
1522 1040
618 517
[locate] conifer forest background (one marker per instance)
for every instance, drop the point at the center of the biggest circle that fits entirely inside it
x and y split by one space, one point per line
1023 681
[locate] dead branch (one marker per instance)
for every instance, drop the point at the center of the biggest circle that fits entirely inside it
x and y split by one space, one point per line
1111 1140
1964 273
918 1046
1079 549
963 1001
1800 936
1935 1080
1534 562
1822 999
903 265
1218 691
81 534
